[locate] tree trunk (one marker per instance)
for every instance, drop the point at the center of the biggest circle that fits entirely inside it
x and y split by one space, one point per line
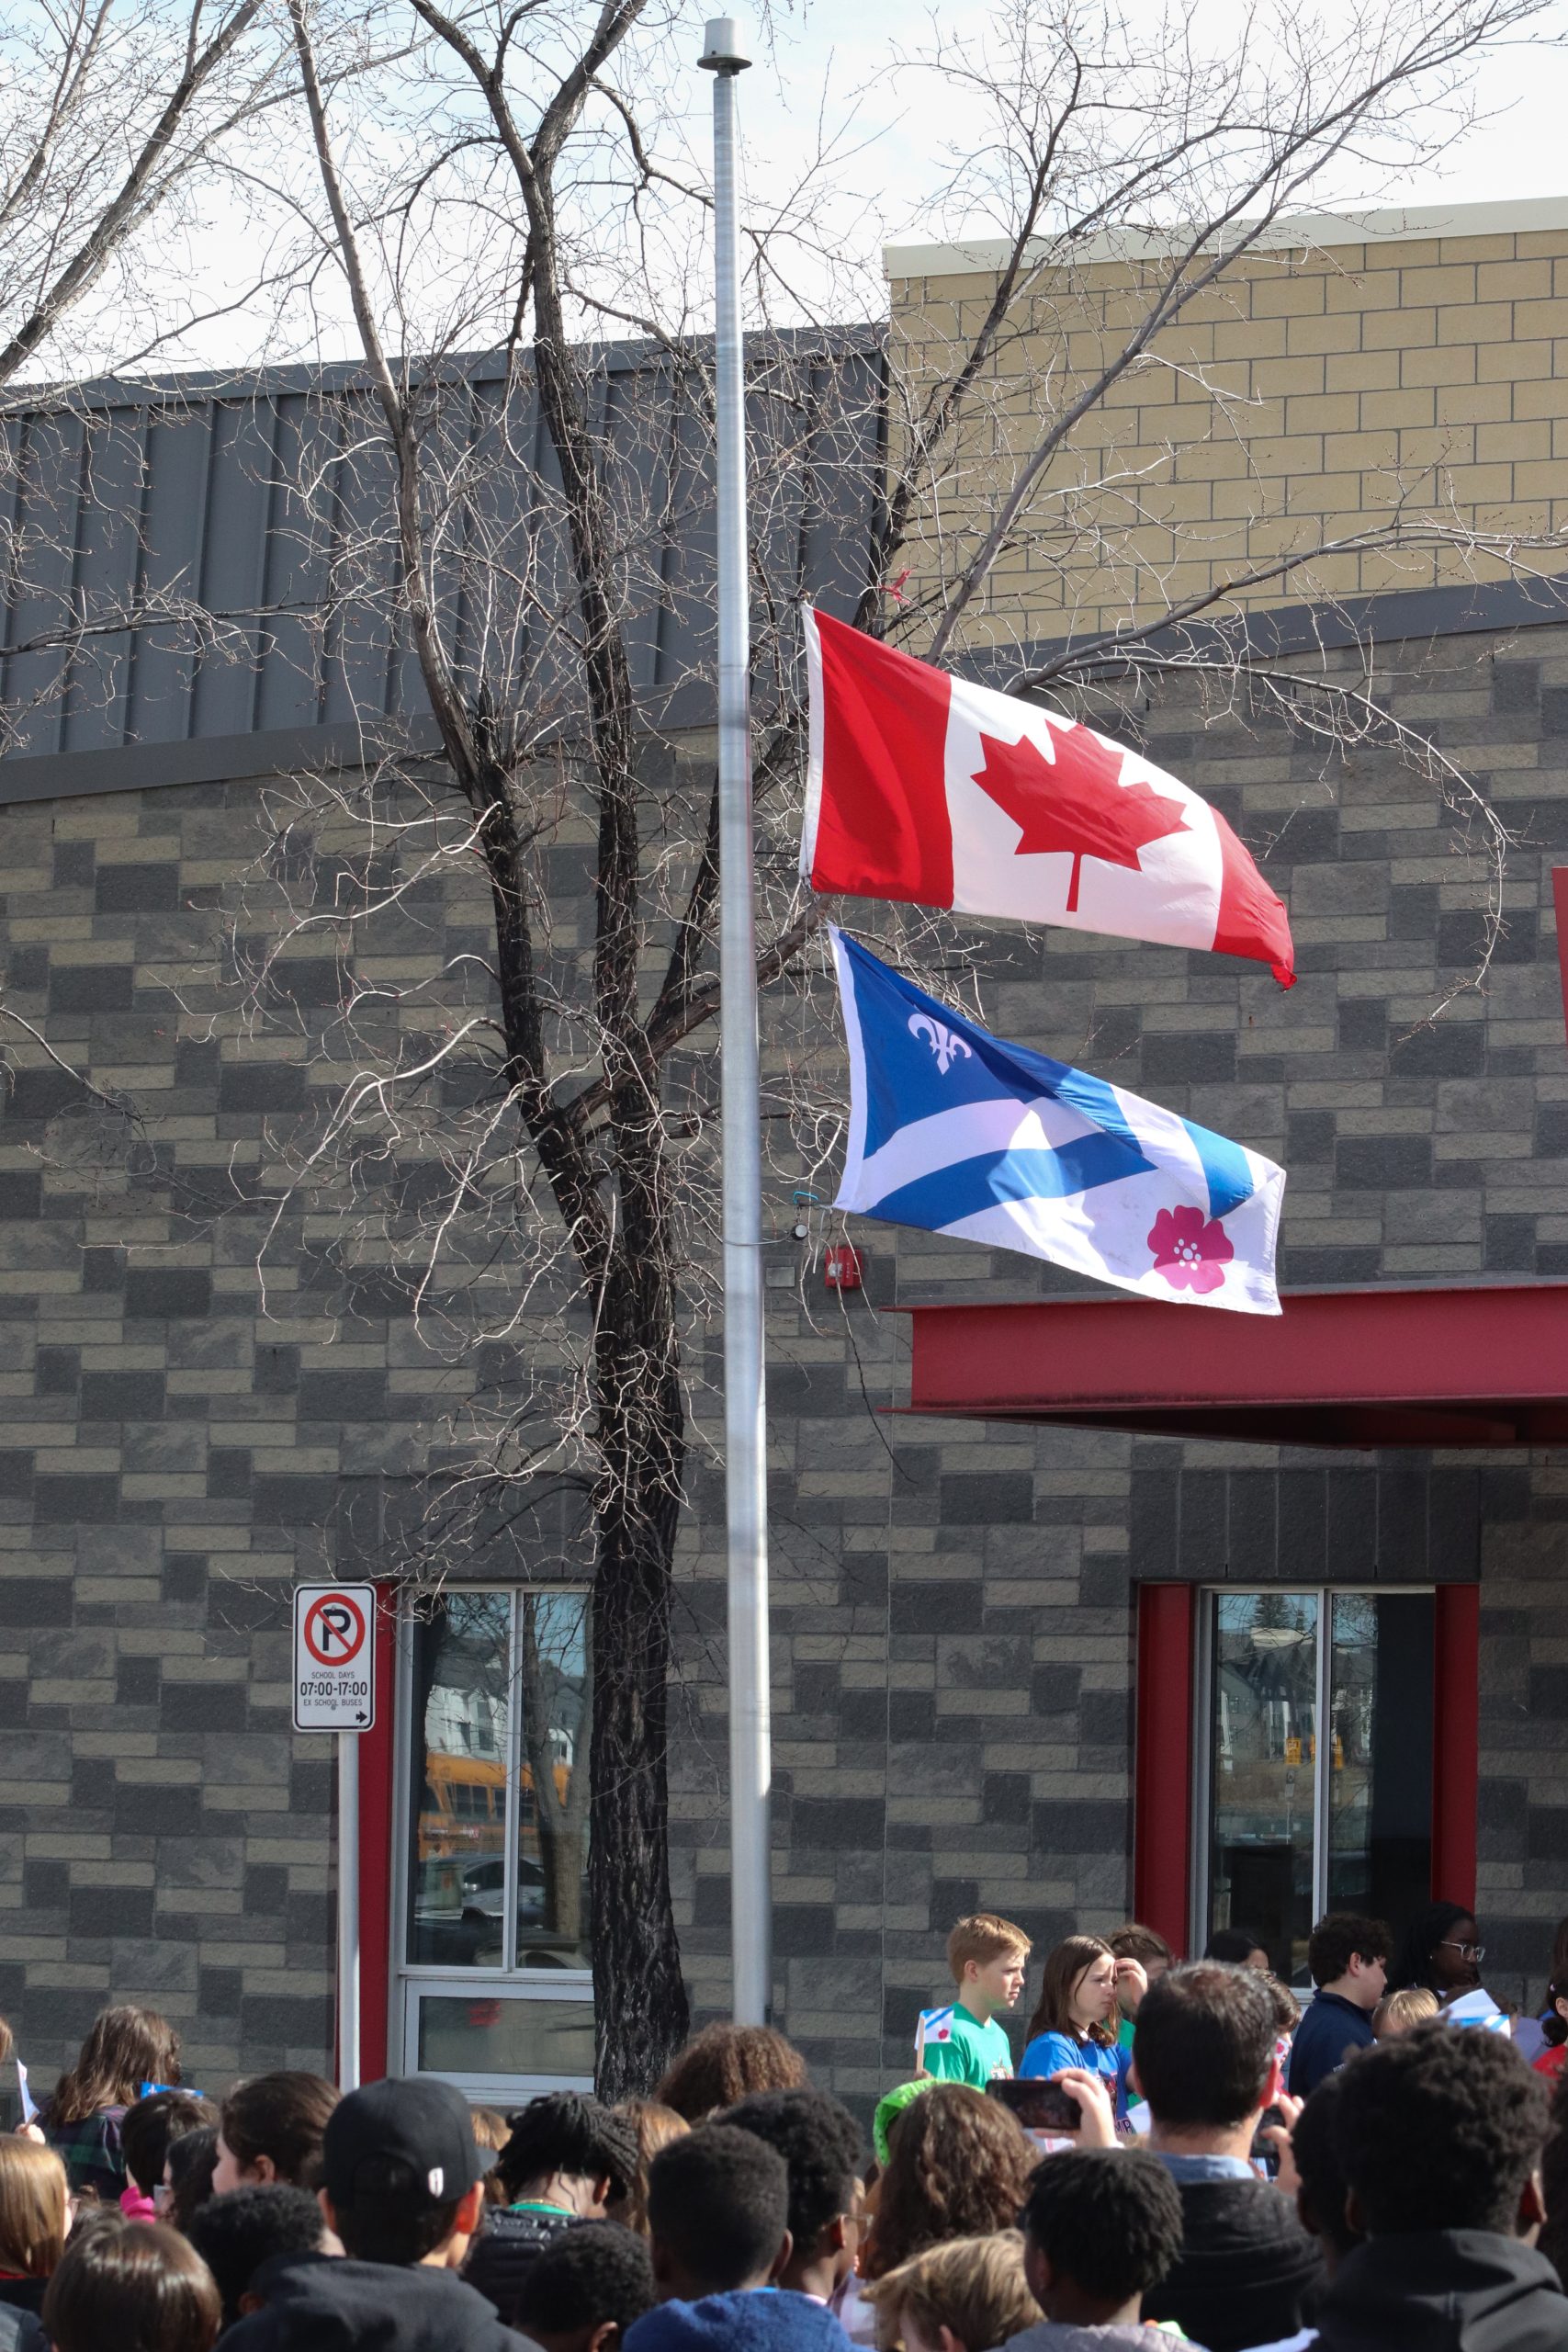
639 2001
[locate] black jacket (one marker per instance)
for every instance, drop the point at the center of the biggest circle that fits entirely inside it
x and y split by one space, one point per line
371 2307
1444 2291
511 2241
1247 2271
1330 2029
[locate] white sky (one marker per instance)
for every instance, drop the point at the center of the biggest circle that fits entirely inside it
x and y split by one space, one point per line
833 69
1518 149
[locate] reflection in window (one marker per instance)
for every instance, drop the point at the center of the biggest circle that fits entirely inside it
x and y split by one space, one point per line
1263 1748
552 1824
1274 1859
1380 1789
502 1695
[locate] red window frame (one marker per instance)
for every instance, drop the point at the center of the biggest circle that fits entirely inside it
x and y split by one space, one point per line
1166 1731
378 1815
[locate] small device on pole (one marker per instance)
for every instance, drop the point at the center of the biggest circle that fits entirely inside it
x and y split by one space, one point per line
335 1690
745 1473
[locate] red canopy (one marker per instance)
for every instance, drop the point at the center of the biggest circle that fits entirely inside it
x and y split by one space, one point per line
1479 1364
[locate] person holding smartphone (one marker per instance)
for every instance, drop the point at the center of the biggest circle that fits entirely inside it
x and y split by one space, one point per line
1076 2019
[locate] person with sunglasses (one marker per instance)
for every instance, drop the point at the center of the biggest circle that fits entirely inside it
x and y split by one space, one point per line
1441 1948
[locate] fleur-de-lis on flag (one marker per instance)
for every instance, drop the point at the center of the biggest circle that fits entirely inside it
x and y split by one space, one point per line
943 1044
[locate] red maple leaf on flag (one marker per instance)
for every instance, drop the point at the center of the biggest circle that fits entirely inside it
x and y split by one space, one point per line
1076 804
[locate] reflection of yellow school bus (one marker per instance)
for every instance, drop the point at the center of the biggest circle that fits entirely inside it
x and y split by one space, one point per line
465 1804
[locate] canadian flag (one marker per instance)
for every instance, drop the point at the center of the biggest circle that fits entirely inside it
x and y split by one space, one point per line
926 788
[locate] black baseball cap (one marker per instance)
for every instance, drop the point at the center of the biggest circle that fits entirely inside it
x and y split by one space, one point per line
415 2121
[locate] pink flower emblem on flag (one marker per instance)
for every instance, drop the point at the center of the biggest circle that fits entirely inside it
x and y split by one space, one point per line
1190 1250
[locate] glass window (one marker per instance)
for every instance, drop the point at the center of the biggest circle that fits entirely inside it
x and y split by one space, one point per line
467 2036
1291 1831
1380 1782
499 1822
1263 1716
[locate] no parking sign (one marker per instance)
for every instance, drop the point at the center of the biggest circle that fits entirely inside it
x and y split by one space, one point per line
335 1657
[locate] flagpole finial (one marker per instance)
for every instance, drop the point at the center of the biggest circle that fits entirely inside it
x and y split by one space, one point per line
721 47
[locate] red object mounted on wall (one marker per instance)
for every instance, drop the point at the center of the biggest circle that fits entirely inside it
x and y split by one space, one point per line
840 1267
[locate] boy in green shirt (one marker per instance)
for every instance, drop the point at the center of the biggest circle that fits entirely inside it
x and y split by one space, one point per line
965 2044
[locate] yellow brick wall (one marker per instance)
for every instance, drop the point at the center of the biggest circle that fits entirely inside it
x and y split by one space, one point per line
1308 397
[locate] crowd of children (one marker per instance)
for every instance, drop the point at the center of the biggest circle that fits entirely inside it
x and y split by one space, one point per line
1182 2157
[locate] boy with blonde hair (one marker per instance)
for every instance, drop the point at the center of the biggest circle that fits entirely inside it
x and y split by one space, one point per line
1396 2013
963 2296
965 2043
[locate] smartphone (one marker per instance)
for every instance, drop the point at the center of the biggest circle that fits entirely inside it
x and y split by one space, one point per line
1038 2105
1265 2151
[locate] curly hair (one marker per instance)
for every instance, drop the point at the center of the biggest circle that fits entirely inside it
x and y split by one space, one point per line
719 2202
1553 2239
722 2062
1439 2130
567 2131
974 2286
1338 1939
819 2141
593 2272
1109 2218
1321 2198
234 2235
959 2167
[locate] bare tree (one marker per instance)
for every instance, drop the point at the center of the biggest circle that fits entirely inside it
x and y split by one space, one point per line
526 1139
116 117
114 113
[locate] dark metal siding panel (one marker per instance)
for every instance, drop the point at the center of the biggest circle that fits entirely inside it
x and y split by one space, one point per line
687 641
251 515
109 537
296 585
233 564
47 517
363 565
844 479
179 451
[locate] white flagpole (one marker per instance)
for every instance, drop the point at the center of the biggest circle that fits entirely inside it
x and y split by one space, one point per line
746 1469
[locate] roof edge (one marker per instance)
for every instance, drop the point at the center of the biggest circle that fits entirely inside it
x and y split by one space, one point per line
1509 217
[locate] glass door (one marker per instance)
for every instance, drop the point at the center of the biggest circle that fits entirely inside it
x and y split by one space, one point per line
1316 1771
494 1982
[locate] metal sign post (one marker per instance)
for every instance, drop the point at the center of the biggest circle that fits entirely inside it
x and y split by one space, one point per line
746 1474
349 1910
335 1690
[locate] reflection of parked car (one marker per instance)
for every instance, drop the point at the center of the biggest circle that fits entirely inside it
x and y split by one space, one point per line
484 1887
458 1911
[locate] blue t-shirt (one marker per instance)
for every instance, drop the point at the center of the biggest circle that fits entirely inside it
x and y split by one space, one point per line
1049 2053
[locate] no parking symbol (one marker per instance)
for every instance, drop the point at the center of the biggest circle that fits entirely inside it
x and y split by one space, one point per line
335 1657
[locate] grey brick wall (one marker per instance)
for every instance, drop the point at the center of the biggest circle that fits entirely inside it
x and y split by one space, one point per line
953 1652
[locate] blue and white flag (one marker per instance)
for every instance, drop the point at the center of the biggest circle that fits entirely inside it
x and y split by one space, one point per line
956 1131
1477 2008
934 2025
